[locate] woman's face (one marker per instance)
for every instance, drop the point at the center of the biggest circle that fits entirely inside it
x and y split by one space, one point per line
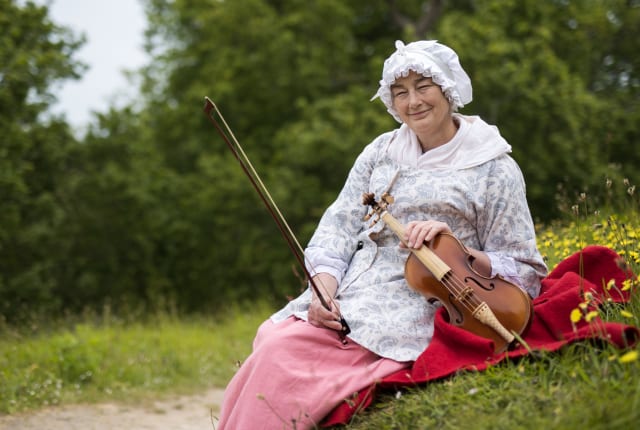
421 104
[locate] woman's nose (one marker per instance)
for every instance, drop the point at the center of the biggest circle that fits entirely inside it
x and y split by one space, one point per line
414 99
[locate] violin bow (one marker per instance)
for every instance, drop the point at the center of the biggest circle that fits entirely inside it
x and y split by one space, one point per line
211 110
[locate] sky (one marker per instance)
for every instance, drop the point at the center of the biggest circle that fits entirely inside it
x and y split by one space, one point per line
114 43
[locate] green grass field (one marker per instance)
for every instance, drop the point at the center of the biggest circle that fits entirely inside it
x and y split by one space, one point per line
101 358
115 360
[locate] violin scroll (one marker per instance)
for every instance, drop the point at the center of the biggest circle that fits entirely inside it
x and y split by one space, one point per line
377 208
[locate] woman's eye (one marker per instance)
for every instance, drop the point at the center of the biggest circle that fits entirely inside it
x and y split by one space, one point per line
424 87
399 94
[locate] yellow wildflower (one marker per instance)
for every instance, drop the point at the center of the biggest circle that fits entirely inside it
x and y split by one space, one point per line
576 315
629 357
611 284
590 316
626 314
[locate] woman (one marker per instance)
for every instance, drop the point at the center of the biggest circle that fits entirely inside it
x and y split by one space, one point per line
448 173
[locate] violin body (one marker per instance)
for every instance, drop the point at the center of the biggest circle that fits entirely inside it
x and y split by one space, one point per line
442 270
511 305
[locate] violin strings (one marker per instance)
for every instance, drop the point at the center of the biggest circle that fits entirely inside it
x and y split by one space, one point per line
450 280
456 285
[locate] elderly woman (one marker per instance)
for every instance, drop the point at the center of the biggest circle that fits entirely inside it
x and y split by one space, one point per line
448 173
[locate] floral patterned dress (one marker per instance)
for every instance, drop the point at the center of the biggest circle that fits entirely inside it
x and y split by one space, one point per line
484 205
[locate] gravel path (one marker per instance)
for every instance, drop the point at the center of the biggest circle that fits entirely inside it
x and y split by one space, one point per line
181 413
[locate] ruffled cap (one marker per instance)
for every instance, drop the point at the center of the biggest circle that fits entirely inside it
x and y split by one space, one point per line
431 59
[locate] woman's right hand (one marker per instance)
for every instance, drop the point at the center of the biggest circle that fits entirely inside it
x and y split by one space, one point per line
320 316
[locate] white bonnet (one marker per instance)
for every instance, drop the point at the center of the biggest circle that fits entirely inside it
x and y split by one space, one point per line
431 59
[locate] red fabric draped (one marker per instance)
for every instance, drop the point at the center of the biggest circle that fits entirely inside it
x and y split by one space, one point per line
453 349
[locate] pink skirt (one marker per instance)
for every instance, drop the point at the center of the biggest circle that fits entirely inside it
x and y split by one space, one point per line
296 375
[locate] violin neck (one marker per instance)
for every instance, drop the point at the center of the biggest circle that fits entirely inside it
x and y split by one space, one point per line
426 256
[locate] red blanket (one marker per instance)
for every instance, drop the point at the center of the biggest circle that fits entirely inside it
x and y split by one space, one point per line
453 349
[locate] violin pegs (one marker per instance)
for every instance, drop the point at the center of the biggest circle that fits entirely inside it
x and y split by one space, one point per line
369 199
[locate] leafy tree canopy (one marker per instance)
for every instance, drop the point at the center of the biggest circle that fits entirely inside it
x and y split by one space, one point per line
34 150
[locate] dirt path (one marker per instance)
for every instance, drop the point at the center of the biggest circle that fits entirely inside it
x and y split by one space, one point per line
180 413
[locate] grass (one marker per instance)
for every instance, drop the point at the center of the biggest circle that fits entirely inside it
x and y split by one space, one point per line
582 386
116 360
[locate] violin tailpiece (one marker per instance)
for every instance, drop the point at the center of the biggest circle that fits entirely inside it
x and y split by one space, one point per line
485 315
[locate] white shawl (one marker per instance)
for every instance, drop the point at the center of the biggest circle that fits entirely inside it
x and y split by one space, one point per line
475 143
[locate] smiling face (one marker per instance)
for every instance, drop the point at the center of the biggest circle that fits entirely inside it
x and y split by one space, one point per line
423 107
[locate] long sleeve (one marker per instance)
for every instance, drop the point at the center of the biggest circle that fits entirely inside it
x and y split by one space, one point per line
335 239
506 230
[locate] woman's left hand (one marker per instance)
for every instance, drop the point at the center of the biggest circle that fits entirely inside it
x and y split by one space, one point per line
418 232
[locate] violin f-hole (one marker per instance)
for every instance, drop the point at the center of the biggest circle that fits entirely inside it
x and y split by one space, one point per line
459 318
490 287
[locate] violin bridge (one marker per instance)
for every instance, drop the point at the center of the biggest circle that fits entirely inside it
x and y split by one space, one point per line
464 294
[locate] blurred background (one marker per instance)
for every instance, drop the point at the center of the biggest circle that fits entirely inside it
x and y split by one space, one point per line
134 202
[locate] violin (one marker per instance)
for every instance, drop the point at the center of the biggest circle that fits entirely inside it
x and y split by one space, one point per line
441 270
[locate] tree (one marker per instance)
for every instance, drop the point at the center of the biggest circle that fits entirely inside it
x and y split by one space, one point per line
34 54
550 75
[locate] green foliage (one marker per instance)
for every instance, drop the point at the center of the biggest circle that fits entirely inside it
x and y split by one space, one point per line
328 129
34 53
34 153
549 74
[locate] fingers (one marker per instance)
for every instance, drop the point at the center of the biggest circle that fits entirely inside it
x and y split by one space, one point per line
418 232
319 316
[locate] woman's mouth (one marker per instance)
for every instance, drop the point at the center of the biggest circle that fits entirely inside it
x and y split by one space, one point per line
419 114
